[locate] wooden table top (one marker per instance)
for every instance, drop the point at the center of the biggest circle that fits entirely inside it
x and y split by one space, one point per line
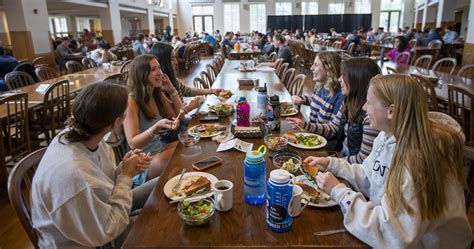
159 226
77 81
441 79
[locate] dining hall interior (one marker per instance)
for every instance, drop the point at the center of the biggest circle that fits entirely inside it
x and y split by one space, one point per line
236 123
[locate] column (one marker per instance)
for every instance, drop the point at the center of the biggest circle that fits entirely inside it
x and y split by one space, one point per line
4 31
111 23
439 14
406 19
244 16
29 29
148 20
218 17
425 13
171 21
415 21
375 9
468 52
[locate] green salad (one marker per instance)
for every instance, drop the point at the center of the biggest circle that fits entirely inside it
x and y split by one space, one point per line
308 140
197 210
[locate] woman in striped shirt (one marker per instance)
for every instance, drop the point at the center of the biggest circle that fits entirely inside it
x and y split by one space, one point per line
327 97
355 76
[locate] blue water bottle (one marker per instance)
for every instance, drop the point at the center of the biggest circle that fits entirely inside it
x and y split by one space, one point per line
255 176
280 193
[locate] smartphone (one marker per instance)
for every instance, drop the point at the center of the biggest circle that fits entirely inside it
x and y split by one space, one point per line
206 163
209 118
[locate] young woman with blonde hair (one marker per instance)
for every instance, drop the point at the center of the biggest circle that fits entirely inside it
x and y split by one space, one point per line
413 177
327 97
151 114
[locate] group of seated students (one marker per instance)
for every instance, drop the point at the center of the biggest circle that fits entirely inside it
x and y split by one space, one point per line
403 163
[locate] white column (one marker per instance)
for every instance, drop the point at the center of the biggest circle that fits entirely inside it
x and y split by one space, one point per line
425 13
406 19
323 6
218 17
28 16
111 23
439 15
270 8
150 19
244 16
375 8
416 17
470 28
171 21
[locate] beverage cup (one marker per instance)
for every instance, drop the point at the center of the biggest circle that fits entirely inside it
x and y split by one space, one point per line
296 208
223 196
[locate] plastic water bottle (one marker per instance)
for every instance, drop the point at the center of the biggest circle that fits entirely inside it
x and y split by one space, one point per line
243 112
280 193
273 112
255 176
262 97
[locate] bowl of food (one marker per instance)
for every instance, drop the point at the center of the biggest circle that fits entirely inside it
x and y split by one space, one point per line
189 139
275 142
287 161
222 109
196 212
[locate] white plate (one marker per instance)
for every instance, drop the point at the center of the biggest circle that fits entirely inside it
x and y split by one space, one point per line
167 189
322 202
191 129
289 114
321 145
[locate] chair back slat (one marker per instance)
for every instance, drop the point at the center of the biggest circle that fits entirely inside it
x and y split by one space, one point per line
445 65
88 63
28 68
467 72
296 86
430 92
423 61
403 58
460 107
19 189
18 79
56 108
288 76
125 69
206 78
199 83
74 67
46 73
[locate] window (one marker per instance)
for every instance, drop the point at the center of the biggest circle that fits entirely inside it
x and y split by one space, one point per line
336 7
82 23
309 8
232 17
390 15
258 17
203 19
362 7
58 26
283 9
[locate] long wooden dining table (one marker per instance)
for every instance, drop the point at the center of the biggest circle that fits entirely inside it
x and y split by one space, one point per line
77 81
159 225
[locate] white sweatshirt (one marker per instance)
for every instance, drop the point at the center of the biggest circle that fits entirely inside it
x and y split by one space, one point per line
78 198
376 224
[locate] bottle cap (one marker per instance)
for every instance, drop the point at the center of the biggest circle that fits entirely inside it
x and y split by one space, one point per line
280 176
256 155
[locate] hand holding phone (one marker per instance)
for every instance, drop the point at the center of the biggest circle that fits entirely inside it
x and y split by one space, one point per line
206 163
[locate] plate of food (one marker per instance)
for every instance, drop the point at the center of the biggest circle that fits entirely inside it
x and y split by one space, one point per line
191 183
316 197
305 140
224 95
287 109
207 130
222 109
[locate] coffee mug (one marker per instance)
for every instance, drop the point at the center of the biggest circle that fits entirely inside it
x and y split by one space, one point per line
223 196
295 205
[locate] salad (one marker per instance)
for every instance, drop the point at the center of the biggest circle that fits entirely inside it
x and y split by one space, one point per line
287 109
196 213
289 165
303 139
222 109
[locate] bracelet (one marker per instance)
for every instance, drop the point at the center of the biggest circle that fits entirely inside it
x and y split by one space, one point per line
175 93
151 133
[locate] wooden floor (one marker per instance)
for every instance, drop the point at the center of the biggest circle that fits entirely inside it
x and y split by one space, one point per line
12 234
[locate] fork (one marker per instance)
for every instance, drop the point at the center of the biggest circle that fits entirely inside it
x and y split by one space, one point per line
178 185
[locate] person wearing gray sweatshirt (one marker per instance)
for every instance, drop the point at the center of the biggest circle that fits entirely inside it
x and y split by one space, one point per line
408 193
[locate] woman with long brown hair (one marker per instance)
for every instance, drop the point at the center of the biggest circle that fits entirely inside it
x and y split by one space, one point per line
351 119
151 114
413 177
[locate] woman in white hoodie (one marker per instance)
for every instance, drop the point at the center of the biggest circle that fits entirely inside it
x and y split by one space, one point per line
413 176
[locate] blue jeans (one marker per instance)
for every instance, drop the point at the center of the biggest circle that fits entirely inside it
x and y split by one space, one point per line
140 195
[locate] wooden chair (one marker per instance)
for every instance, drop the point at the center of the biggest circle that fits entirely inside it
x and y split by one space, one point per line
445 65
74 67
14 133
23 61
391 70
206 78
280 71
116 78
18 79
88 63
124 70
461 108
423 61
403 58
351 49
211 72
40 61
467 71
469 162
56 110
199 83
429 90
19 189
412 43
46 73
288 76
436 44
296 86
215 65
272 57
28 68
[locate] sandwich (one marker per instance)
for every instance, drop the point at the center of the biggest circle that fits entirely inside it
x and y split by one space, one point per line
310 192
200 184
310 171
291 137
